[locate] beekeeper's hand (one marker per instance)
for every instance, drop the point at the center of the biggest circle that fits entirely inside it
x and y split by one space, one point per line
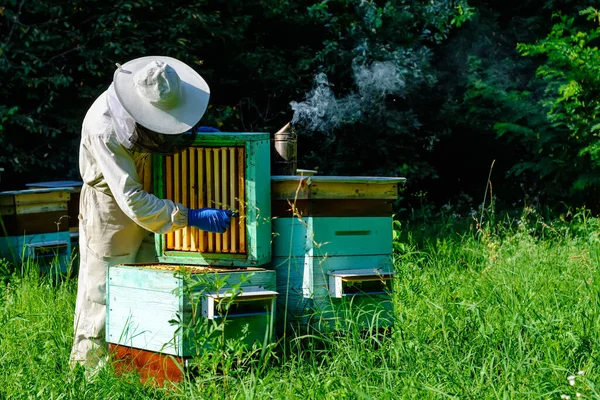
210 219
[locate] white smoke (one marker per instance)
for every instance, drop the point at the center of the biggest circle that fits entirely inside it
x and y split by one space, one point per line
379 79
323 112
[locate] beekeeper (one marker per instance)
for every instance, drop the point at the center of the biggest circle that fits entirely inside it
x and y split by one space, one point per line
153 106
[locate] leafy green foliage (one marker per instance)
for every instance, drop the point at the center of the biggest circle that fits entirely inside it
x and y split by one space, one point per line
257 56
434 91
565 148
489 100
57 57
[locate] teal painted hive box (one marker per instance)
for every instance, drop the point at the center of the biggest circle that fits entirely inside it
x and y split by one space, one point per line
221 170
73 212
35 227
174 310
332 250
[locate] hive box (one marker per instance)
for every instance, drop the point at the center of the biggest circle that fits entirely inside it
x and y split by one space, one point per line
150 307
35 226
332 250
74 188
226 171
72 211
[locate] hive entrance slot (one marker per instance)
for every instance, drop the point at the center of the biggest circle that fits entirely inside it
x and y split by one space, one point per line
366 287
252 301
243 308
359 282
47 249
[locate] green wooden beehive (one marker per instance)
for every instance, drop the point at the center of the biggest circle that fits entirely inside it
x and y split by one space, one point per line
153 307
332 250
221 170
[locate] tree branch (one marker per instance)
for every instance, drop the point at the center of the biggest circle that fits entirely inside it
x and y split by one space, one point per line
16 21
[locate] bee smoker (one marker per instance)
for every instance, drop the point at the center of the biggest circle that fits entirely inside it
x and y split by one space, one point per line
285 151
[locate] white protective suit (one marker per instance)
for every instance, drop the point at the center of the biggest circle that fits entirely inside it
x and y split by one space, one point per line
116 217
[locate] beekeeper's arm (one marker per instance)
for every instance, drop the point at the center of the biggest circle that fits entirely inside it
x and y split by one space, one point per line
148 211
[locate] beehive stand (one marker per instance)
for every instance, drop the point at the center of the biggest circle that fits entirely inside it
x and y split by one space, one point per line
150 366
332 250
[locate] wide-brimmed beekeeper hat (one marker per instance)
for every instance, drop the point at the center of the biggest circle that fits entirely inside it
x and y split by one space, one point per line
161 93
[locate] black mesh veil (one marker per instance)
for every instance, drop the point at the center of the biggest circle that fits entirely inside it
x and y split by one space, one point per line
158 143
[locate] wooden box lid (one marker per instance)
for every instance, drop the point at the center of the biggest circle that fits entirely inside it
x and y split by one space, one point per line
33 201
75 186
289 187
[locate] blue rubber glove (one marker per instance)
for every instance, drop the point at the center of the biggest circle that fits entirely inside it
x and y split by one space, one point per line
208 129
210 219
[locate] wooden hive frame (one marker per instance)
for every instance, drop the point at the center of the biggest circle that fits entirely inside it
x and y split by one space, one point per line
227 171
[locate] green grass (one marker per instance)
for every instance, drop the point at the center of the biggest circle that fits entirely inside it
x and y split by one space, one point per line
503 311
